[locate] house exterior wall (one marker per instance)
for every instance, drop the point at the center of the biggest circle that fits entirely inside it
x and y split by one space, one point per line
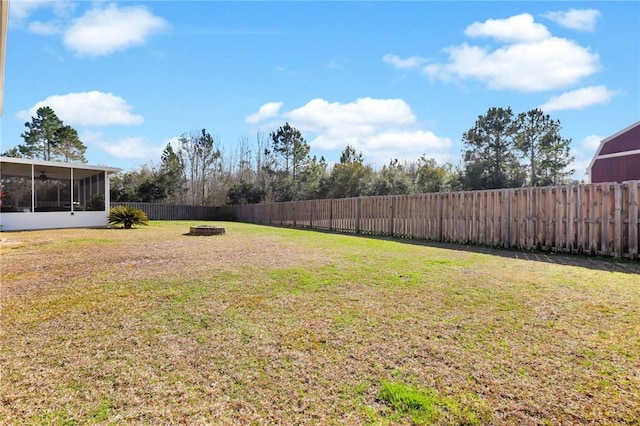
52 220
616 169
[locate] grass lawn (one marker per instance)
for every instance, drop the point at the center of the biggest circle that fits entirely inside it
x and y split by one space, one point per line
279 326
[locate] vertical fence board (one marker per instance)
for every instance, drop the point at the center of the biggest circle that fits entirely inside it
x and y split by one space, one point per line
604 220
529 236
570 215
593 219
496 218
581 209
481 218
559 235
618 223
548 216
538 211
506 225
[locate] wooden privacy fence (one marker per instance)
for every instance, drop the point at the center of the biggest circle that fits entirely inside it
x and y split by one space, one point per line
173 212
596 219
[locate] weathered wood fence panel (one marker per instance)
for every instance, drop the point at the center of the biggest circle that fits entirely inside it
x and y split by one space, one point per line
172 212
596 219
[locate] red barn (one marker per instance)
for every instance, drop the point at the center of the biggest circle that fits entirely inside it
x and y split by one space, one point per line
618 157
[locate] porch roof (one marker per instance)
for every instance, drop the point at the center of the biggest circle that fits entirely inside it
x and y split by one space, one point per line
8 166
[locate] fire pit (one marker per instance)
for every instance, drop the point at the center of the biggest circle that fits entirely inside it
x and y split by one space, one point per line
206 230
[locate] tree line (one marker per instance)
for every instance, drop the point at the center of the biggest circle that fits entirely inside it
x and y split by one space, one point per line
501 150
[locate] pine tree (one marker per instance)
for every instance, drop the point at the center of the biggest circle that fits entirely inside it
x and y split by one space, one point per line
489 158
171 175
546 153
68 146
48 138
292 148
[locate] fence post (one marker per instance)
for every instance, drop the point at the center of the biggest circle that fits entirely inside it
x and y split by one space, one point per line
570 241
438 220
633 218
331 215
506 217
617 238
358 201
605 219
391 214
580 210
593 219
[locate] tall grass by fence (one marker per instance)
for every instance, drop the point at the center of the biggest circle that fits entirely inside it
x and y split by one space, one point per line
173 212
597 219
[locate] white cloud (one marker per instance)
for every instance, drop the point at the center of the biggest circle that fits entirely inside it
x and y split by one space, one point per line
575 19
87 109
532 66
127 147
268 110
591 143
584 152
404 145
417 141
360 116
580 166
406 63
44 28
578 99
516 28
380 128
105 30
22 9
529 58
379 146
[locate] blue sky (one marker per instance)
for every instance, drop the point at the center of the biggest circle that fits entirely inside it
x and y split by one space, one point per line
393 79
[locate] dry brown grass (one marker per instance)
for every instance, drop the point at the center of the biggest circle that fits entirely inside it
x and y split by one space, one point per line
276 326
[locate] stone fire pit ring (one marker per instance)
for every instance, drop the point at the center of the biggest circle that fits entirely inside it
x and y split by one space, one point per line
206 230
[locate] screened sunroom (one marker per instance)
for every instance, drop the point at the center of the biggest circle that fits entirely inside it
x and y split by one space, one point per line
37 194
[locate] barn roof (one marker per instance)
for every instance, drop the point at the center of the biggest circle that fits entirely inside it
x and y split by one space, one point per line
623 143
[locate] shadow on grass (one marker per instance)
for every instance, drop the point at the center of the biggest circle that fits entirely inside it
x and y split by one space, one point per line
580 260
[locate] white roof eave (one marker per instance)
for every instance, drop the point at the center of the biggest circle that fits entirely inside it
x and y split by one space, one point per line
43 163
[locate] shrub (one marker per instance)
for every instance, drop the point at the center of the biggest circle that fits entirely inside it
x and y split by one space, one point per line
127 217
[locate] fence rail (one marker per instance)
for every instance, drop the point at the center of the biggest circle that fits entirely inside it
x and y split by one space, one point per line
596 219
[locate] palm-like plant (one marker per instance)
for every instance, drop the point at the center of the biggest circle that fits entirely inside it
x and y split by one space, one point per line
127 217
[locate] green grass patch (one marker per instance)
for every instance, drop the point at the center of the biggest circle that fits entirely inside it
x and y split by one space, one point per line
92 241
428 406
296 279
102 412
53 418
